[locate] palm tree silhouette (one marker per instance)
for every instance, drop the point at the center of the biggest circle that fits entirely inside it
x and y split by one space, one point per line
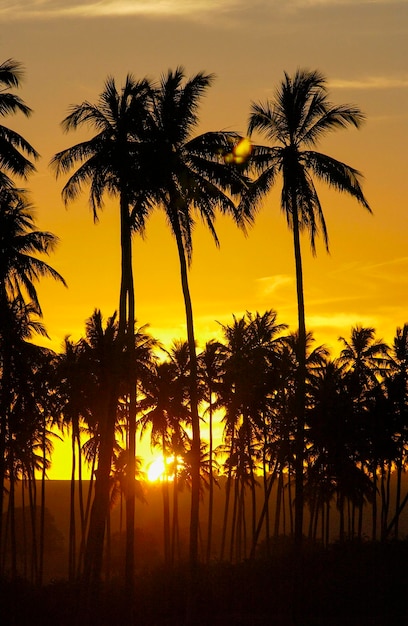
298 116
12 145
29 407
397 392
210 362
166 412
184 174
365 360
20 269
110 163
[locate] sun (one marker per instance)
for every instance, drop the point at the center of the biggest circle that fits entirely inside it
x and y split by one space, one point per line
158 468
155 469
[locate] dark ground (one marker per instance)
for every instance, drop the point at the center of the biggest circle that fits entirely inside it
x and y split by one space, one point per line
347 585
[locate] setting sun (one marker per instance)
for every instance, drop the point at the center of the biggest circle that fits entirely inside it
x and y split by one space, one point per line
155 469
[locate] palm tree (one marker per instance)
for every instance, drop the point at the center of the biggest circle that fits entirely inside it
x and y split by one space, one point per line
184 174
210 363
73 381
20 269
397 391
365 361
166 412
12 145
296 119
21 426
110 164
105 360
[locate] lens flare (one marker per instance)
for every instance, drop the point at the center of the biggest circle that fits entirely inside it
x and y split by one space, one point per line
240 152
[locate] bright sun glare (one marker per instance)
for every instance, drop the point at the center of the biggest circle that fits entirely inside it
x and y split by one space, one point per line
156 469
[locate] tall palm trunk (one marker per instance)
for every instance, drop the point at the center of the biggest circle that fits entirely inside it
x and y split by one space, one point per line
398 489
265 508
42 509
226 510
100 505
166 503
195 420
301 381
33 519
5 399
12 510
72 529
127 336
211 477
85 525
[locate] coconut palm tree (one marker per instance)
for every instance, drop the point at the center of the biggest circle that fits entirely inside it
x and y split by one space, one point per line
298 116
12 145
365 361
105 361
187 174
73 382
166 412
31 405
20 269
397 392
110 164
210 363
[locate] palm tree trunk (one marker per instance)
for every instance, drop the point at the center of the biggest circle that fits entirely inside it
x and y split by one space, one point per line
195 420
80 485
84 528
374 516
265 507
100 506
278 503
398 490
42 510
175 534
226 511
166 506
33 518
12 509
23 524
5 387
72 530
301 381
211 479
127 335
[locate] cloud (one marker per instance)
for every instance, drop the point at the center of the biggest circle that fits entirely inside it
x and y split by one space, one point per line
270 284
370 82
340 3
339 320
50 9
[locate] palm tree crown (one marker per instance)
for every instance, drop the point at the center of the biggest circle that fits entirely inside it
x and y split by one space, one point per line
296 120
184 173
109 161
12 161
20 244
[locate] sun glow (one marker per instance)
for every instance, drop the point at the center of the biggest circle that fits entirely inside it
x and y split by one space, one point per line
160 468
155 469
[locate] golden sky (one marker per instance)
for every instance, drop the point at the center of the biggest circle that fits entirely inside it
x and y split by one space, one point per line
68 50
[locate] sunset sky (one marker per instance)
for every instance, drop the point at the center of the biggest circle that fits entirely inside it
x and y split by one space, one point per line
68 50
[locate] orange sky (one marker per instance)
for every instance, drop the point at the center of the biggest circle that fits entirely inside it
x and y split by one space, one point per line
68 50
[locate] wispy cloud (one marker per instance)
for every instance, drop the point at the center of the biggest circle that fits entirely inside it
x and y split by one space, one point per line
339 320
49 9
271 284
334 3
370 82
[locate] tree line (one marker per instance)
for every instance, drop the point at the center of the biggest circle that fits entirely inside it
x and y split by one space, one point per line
145 153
